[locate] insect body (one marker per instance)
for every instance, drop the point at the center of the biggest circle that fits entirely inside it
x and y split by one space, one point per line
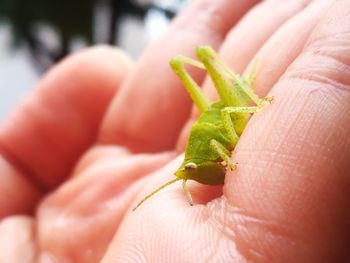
216 132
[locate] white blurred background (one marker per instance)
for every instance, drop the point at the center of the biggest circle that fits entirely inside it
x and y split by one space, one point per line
35 34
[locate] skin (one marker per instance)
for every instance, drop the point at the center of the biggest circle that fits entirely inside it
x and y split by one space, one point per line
66 155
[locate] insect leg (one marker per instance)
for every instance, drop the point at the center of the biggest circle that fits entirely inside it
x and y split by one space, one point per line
229 127
228 123
246 83
190 61
223 153
197 95
187 192
223 85
252 109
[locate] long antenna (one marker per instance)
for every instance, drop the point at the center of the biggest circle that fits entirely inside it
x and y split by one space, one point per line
156 191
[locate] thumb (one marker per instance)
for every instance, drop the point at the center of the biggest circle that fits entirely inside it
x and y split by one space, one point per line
292 185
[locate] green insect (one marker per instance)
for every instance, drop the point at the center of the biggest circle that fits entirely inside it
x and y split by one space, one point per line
216 132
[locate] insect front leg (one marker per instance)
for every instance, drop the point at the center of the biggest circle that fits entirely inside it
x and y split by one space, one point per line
197 95
223 153
187 192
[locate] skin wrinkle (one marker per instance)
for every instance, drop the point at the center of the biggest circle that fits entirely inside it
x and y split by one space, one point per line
240 221
336 47
327 42
213 222
332 74
218 215
286 153
156 241
302 141
319 146
23 169
200 222
277 148
342 147
13 178
258 137
291 123
214 248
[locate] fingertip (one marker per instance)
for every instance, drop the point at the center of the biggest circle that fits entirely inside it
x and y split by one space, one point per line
104 53
46 134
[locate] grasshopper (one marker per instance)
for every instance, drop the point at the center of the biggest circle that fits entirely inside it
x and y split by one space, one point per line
215 134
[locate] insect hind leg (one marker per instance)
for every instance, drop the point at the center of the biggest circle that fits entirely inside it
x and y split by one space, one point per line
245 84
249 109
197 95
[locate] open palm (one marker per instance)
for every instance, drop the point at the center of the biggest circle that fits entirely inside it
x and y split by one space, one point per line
98 134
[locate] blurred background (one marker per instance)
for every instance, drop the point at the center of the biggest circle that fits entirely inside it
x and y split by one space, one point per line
35 34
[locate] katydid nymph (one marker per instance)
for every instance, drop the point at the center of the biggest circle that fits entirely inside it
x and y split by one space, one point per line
216 132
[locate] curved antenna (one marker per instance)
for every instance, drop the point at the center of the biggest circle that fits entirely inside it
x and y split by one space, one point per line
156 191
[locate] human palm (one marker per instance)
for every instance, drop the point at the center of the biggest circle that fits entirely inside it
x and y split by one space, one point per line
98 134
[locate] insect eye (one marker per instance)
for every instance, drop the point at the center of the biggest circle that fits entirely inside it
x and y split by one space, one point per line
190 166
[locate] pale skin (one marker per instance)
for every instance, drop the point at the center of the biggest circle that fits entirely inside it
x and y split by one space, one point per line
288 199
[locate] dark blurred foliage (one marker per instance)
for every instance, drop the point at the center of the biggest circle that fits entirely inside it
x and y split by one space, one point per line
70 19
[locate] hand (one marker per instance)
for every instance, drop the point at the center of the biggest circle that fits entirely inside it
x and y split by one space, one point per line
98 134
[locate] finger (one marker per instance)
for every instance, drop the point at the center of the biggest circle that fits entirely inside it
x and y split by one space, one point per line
152 105
47 133
18 193
17 240
98 197
244 41
97 154
291 190
286 44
